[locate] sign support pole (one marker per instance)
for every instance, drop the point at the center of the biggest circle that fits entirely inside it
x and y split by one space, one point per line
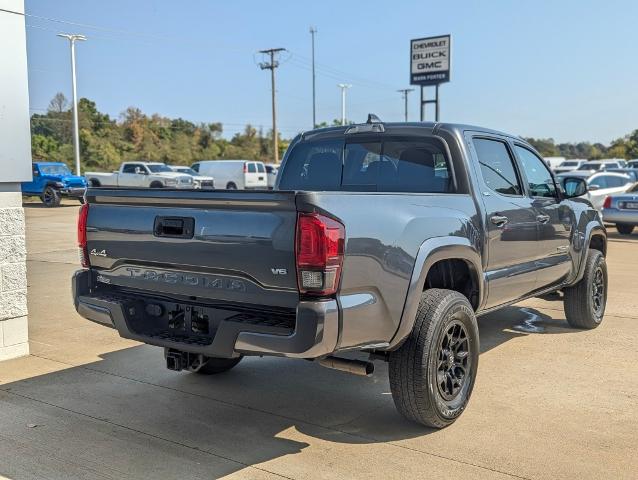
435 102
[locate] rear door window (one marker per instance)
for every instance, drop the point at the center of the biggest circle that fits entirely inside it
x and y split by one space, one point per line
497 167
130 168
260 168
252 168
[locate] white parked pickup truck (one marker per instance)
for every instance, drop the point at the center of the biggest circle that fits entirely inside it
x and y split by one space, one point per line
140 174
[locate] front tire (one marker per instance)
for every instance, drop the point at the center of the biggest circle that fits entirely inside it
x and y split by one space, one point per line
585 302
624 229
432 374
156 185
51 197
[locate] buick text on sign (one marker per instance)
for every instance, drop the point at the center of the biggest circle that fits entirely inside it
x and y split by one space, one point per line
430 60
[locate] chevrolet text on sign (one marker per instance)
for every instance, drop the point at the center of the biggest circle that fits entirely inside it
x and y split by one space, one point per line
430 60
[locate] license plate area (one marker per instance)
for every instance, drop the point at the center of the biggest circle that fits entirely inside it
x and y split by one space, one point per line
631 205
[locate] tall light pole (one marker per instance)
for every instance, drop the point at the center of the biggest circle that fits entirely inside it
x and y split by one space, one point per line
405 92
343 87
76 127
313 30
271 66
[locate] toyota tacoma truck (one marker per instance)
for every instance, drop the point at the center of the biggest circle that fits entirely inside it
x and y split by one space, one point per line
382 238
51 181
141 174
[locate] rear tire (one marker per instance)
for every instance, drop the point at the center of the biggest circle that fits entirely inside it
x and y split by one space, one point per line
624 229
95 182
432 374
51 197
217 365
585 302
231 186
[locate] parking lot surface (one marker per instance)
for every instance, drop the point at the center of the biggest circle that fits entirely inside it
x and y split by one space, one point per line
549 402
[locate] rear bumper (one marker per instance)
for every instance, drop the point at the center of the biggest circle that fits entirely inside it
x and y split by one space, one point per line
615 215
315 331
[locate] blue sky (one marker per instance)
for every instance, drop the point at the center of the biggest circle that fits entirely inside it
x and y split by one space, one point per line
562 69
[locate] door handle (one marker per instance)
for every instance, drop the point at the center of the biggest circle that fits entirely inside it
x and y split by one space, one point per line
499 220
542 218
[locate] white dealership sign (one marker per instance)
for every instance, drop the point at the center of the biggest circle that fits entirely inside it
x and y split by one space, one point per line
430 60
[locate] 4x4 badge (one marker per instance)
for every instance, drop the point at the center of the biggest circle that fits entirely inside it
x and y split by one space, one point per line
96 253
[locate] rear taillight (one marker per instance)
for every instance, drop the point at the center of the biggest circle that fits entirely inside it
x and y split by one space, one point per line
84 254
245 167
607 202
319 251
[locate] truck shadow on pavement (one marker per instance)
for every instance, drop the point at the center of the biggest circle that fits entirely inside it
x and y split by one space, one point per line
262 410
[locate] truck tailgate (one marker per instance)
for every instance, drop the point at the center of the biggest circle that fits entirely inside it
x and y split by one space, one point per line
233 246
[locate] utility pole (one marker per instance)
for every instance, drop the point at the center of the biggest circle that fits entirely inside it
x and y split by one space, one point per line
313 30
272 66
343 87
405 92
76 127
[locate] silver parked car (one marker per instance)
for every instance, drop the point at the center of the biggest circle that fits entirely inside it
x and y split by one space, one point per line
199 181
622 209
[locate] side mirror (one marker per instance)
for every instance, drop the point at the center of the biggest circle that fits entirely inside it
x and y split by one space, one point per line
591 188
575 187
140 171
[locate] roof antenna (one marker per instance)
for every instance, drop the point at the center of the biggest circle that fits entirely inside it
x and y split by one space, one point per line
372 118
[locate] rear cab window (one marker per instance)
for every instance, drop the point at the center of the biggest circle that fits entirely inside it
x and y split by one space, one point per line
418 165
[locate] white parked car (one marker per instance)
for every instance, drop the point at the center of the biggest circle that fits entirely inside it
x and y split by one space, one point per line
569 165
271 172
234 174
199 181
594 166
602 184
140 174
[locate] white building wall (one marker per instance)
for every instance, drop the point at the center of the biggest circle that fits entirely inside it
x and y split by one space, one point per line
15 167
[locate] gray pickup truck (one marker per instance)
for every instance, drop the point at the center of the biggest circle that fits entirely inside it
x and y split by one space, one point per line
383 238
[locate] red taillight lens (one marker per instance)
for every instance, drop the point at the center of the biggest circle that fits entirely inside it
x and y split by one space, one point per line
245 168
607 202
82 217
319 249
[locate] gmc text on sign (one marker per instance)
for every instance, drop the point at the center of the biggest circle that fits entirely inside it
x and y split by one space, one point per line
430 60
